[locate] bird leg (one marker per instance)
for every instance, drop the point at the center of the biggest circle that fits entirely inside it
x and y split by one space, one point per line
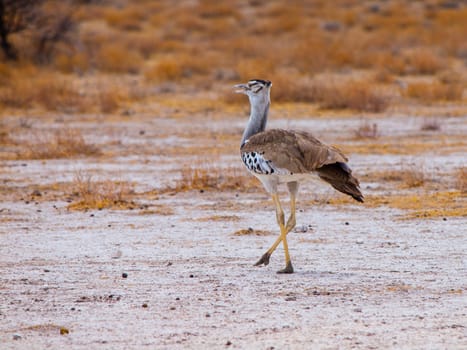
282 238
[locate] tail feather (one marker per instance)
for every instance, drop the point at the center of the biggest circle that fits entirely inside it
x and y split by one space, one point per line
339 176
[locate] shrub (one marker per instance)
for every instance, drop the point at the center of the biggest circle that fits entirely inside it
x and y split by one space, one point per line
434 91
356 95
117 58
89 194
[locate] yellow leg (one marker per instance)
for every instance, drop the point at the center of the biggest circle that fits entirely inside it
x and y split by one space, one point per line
285 229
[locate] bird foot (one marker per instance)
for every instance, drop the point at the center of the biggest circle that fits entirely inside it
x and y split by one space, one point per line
288 268
264 260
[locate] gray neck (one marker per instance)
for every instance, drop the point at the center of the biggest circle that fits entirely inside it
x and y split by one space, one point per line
258 118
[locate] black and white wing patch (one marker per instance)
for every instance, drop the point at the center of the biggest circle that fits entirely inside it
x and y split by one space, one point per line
256 163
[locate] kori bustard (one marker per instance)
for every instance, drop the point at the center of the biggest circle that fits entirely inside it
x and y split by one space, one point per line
279 156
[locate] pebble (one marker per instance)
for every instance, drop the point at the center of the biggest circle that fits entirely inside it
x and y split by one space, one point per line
16 337
124 275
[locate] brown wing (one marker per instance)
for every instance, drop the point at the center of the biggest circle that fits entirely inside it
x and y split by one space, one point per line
301 152
296 151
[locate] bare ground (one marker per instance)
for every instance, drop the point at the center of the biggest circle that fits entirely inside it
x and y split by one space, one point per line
365 277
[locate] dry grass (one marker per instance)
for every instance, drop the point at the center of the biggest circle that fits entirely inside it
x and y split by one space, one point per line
434 91
88 194
204 44
405 177
367 131
461 179
117 58
432 124
440 204
213 178
424 61
355 95
251 231
63 143
31 89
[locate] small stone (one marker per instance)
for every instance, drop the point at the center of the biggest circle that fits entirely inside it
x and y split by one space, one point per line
445 219
347 223
92 215
357 309
228 343
144 305
124 275
208 315
16 337
64 330
36 193
191 276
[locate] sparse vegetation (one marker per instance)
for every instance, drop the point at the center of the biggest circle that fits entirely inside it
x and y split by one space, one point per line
205 43
434 91
367 131
63 143
431 125
209 178
88 194
354 95
461 179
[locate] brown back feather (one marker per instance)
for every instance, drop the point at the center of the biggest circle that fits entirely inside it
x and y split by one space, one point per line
301 152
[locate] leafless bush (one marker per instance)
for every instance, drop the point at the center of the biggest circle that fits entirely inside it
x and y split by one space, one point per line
44 25
15 17
367 131
431 125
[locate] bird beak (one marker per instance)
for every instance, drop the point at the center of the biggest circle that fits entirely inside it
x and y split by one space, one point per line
241 88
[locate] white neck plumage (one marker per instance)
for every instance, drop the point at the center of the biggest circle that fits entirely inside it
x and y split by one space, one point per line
258 116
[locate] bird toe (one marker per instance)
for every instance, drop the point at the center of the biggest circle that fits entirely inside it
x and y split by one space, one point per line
264 260
288 268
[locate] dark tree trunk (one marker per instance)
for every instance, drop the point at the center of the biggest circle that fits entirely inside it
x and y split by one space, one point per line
8 49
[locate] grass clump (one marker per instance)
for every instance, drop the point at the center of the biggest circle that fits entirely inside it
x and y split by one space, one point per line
367 131
88 194
461 179
213 178
434 91
355 95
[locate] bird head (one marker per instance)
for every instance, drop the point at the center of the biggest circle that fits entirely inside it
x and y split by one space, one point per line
255 89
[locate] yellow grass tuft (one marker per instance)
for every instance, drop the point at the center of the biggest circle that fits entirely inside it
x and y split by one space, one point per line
213 178
88 194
